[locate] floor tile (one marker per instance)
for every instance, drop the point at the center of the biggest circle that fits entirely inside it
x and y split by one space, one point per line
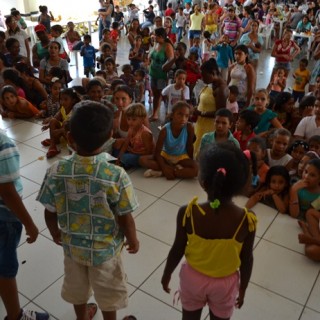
24 131
29 187
7 123
23 301
145 200
313 301
284 231
153 186
283 271
41 264
29 154
159 215
310 315
140 266
262 304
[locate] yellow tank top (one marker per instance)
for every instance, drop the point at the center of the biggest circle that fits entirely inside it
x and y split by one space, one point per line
215 258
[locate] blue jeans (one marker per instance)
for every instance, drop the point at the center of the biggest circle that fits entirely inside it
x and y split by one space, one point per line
180 31
146 24
128 160
10 234
101 27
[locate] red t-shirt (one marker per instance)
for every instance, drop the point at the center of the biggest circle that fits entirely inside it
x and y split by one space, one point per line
283 50
168 12
243 143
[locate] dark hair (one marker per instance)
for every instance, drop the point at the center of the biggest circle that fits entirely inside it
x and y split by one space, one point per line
179 105
55 42
281 99
71 93
115 25
278 171
43 9
305 61
307 101
22 67
126 67
90 125
223 112
7 89
297 143
259 141
105 46
10 42
207 34
161 32
15 12
210 66
233 175
124 88
92 83
315 163
182 44
105 31
56 72
13 76
315 138
115 83
57 28
250 117
140 72
109 59
4 60
87 37
234 90
243 48
2 35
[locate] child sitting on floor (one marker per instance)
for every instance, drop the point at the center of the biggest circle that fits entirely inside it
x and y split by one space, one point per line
174 149
139 141
13 106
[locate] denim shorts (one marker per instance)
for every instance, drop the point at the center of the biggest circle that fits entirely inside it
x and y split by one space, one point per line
10 233
158 84
194 34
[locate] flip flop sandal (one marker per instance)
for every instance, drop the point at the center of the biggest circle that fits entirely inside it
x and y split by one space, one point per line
46 142
52 152
92 310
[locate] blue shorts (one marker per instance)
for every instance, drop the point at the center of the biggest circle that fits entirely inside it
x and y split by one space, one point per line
194 34
283 65
10 233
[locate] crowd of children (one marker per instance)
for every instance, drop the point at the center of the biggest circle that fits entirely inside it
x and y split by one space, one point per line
238 140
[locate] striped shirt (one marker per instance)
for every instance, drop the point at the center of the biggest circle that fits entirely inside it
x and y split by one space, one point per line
9 172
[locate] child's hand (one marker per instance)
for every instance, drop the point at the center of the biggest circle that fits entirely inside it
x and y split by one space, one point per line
240 299
132 247
303 238
56 237
32 232
299 185
44 128
165 283
168 172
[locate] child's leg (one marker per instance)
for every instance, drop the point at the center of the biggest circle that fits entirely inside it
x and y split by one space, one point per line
109 315
149 162
81 311
313 218
213 317
186 169
10 298
191 315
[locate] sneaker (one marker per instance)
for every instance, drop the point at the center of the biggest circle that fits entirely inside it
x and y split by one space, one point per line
34 315
152 173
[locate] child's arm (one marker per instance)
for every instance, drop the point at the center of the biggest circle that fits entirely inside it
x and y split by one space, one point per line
282 84
294 208
147 140
13 201
281 203
246 258
177 251
124 148
190 140
276 123
51 219
128 227
141 91
167 170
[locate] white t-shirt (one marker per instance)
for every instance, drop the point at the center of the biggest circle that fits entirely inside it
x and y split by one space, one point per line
21 36
279 162
232 106
181 19
174 95
307 128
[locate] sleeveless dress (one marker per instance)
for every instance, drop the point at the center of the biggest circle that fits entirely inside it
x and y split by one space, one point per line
207 103
239 78
158 59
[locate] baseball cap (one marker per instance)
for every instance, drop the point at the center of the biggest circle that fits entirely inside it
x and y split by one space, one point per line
40 28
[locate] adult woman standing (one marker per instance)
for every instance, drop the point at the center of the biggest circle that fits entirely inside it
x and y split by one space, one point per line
40 49
242 75
254 43
211 19
196 24
134 30
284 50
45 17
212 97
160 60
53 61
246 20
105 17
13 31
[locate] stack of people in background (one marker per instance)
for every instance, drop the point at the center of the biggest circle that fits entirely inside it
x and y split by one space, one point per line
206 81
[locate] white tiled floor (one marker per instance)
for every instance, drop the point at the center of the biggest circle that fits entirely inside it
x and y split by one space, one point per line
284 284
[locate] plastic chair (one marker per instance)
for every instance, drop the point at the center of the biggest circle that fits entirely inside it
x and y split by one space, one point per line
265 31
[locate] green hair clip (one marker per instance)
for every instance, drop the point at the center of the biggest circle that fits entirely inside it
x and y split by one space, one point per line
215 204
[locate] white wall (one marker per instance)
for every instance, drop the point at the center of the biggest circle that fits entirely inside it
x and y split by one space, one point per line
6 5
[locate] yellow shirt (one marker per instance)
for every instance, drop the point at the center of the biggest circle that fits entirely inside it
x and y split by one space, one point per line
215 258
301 79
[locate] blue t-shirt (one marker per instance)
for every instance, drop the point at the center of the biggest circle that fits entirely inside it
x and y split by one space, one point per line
225 54
175 146
9 172
89 56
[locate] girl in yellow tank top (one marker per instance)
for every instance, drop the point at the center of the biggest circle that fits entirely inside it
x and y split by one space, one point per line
216 237
58 124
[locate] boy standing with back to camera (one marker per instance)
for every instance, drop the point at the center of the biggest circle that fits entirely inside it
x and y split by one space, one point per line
88 204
